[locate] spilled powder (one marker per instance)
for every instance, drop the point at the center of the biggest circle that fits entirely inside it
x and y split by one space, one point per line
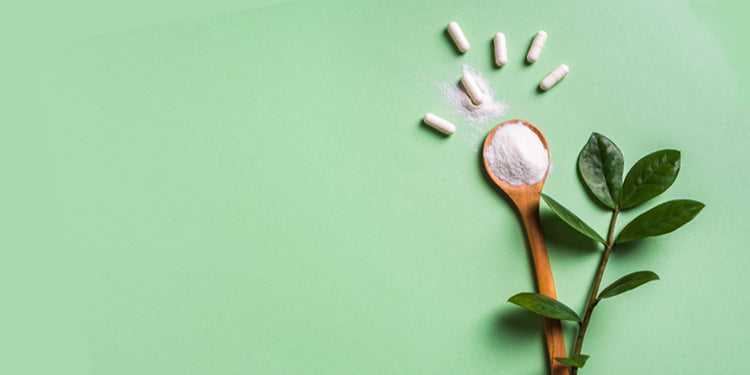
455 97
516 155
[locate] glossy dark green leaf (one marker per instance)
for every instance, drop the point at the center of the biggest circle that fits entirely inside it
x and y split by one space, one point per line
661 219
628 282
571 219
649 177
600 164
544 306
574 361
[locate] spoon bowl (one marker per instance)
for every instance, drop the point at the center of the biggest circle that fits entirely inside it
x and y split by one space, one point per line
516 191
526 199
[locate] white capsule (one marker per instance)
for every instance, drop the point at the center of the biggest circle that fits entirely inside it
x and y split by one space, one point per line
472 89
501 51
458 36
439 123
554 77
536 46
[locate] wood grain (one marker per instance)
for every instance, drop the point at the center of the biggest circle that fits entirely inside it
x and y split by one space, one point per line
526 198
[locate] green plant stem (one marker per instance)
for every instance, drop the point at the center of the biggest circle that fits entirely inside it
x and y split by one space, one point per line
595 288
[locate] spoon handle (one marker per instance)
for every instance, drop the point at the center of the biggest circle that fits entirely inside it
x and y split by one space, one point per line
552 327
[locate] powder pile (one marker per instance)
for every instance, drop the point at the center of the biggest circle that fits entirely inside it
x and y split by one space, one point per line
456 98
516 155
454 95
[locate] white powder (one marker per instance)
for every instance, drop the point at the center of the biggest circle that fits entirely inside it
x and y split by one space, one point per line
516 155
455 97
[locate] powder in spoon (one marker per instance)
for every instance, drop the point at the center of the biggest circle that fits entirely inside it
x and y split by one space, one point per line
516 155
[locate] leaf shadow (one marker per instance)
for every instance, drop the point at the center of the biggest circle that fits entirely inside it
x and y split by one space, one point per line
515 324
625 250
512 325
558 233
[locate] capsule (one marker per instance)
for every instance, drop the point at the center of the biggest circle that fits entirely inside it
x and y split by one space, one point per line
458 36
536 46
472 89
501 51
554 77
439 123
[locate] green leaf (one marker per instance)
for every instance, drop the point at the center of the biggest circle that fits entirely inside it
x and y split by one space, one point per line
544 306
628 282
571 219
661 219
649 177
577 360
600 164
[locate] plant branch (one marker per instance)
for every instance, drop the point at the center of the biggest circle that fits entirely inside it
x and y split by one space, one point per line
595 288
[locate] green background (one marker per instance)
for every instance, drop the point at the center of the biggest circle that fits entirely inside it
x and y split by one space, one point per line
243 188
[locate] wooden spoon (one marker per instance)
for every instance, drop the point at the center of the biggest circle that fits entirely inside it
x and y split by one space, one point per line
526 199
